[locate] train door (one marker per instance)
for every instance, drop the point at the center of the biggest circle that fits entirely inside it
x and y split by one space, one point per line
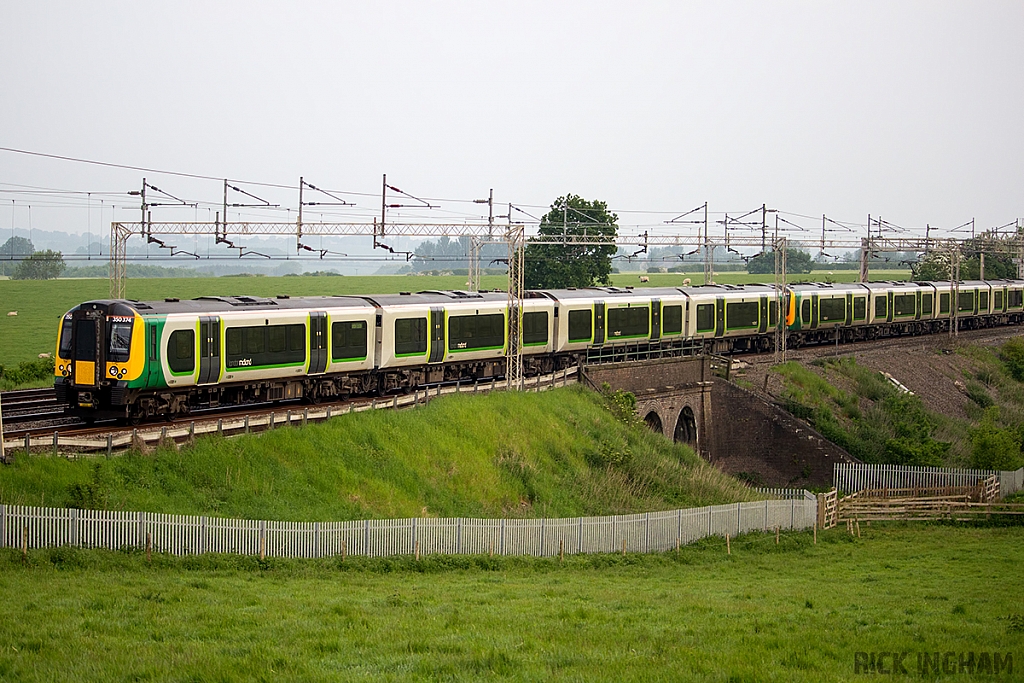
763 327
155 373
436 334
888 309
317 342
598 323
917 306
720 317
849 309
209 349
655 319
814 311
88 349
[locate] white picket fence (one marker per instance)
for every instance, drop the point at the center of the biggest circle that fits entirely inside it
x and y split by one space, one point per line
786 494
852 477
38 527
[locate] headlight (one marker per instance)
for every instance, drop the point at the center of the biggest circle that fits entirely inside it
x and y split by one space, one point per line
113 372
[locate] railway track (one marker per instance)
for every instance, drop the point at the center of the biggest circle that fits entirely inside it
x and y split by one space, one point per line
66 435
35 414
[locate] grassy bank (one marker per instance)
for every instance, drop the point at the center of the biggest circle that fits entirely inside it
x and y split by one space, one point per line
558 453
793 612
859 410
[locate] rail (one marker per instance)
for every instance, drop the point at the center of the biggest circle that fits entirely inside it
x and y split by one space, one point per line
56 442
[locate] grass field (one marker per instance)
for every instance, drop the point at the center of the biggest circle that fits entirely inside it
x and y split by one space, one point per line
557 453
41 303
793 612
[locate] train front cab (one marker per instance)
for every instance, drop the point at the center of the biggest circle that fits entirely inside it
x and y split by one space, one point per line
100 349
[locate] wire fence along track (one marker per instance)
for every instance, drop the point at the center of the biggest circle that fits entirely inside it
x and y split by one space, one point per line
232 426
39 527
852 477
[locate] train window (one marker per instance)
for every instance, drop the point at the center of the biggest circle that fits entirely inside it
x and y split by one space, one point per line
466 332
348 340
904 305
805 312
926 304
120 342
742 315
997 300
672 319
181 351
1014 298
881 306
265 345
629 322
65 339
277 340
535 328
296 339
773 312
831 310
254 340
233 341
580 328
860 307
983 302
410 336
965 302
705 317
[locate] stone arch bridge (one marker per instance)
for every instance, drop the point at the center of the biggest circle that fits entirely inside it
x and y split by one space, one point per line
690 401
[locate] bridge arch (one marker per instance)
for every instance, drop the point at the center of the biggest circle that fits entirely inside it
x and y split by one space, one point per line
653 420
686 427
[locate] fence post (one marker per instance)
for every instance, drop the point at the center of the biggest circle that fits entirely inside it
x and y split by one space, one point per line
366 538
501 538
739 517
140 526
458 536
679 525
3 525
27 444
543 523
414 532
263 540
647 532
110 445
316 539
202 534
55 441
579 545
74 526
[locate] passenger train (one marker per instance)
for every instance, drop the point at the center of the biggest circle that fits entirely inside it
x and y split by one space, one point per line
135 360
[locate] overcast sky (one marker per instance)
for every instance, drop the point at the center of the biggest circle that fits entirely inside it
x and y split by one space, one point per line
908 110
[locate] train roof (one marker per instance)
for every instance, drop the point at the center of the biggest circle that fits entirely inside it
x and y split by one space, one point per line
214 304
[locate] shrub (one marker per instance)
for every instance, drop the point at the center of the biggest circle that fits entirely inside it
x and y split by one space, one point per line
1012 355
993 447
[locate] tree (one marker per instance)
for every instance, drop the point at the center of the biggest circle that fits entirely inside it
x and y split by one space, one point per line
13 250
555 266
796 262
41 265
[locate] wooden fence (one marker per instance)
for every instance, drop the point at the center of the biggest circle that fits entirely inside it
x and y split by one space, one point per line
853 477
38 527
